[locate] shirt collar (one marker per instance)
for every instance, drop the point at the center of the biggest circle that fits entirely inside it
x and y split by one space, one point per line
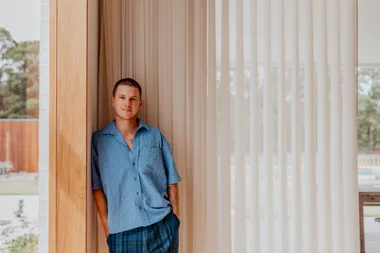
112 129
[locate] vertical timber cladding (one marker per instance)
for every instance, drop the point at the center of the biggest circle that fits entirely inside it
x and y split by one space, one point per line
68 124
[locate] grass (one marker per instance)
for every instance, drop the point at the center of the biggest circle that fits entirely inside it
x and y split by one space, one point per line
13 187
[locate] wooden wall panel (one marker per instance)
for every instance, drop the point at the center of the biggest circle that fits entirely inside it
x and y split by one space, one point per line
71 126
22 144
92 106
71 214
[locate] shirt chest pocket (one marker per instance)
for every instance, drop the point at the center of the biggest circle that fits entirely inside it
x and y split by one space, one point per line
151 161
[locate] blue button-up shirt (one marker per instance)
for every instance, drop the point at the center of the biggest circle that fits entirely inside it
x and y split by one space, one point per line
135 182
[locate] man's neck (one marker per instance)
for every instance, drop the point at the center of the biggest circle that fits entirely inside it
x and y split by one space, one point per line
127 127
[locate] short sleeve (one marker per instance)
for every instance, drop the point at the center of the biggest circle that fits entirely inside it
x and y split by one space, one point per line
171 170
96 182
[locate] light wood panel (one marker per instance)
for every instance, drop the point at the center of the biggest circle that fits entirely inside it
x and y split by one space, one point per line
73 85
71 126
92 109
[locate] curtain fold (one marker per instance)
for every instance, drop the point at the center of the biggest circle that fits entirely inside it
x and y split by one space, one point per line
296 127
240 199
323 150
349 132
224 134
310 182
336 136
211 176
261 121
282 132
254 196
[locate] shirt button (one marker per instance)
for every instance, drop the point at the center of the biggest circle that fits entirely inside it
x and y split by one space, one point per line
135 178
137 193
140 207
133 164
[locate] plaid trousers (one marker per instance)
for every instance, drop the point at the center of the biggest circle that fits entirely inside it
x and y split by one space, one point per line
161 237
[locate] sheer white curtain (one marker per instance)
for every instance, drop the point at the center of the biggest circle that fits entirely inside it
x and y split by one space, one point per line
288 162
162 44
257 99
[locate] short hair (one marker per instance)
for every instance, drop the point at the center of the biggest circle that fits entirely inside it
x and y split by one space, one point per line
128 82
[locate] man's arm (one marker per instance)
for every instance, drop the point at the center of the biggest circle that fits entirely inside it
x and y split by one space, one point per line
101 204
172 175
173 194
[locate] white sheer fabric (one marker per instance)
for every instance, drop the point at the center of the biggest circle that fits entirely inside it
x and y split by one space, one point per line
257 99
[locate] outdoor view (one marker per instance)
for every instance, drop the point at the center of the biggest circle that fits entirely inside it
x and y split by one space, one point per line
19 120
369 116
369 149
369 125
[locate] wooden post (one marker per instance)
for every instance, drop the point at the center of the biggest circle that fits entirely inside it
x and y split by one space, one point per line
361 219
73 83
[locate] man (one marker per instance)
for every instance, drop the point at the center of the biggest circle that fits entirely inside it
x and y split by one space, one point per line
134 179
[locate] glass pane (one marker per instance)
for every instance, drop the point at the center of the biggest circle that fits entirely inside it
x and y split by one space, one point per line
369 125
368 94
369 117
19 124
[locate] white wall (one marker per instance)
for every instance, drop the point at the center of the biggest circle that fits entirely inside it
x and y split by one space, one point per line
369 32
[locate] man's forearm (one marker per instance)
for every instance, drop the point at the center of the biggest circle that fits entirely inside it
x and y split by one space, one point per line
101 204
173 193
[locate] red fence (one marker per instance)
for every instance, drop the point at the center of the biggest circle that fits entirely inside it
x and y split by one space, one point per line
19 144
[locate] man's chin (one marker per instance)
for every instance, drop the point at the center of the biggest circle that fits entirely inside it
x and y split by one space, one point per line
127 117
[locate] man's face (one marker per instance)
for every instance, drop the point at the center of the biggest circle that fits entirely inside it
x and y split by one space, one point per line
126 102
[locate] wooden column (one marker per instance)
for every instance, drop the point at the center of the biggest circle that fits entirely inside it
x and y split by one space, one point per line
361 219
72 74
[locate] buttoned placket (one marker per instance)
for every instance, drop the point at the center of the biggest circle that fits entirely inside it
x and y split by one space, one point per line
139 197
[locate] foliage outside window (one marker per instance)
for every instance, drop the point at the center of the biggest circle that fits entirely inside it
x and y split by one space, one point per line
19 77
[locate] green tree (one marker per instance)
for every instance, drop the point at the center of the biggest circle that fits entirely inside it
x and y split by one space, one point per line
369 109
19 77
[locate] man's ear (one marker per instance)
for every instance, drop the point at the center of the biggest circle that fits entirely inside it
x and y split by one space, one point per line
141 103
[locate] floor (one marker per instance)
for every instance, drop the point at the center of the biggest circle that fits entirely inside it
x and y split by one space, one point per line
372 235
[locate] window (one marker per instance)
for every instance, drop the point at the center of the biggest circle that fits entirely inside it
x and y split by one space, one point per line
21 120
369 125
369 122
